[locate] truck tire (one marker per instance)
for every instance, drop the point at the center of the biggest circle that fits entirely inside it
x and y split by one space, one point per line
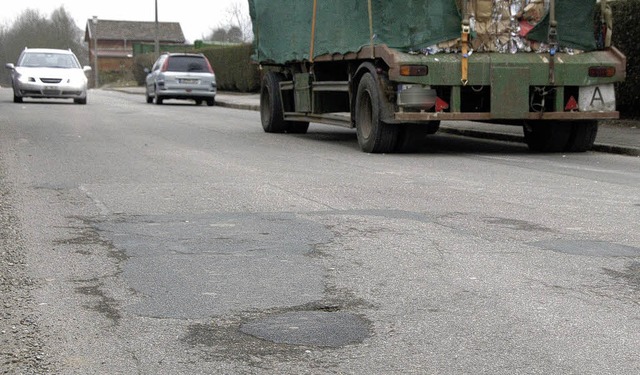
297 127
271 104
374 135
411 136
271 113
433 127
583 135
546 136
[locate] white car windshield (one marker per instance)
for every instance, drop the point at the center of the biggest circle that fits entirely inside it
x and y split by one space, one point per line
48 60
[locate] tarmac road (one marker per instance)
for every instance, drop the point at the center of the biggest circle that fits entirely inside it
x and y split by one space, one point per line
180 239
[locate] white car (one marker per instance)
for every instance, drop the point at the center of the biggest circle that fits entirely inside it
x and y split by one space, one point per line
48 73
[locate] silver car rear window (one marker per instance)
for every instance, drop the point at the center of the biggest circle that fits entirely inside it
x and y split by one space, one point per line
187 64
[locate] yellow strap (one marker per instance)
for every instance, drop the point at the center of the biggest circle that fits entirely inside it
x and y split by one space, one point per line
313 31
607 17
465 55
371 30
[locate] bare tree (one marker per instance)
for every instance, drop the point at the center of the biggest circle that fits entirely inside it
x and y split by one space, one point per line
239 17
218 35
237 28
32 29
68 34
235 35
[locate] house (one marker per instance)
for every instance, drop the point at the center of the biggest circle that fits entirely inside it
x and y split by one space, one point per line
115 39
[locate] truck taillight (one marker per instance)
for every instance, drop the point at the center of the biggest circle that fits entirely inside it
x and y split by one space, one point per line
413 70
602 71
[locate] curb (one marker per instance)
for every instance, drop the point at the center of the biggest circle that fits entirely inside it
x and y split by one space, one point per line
613 149
246 107
219 103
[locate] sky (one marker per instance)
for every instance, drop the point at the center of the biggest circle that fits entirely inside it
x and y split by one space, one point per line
196 17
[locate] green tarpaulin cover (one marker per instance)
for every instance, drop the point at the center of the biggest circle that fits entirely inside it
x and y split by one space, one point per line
282 28
575 25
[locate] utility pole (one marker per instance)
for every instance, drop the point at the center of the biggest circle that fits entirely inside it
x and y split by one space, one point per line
157 40
96 74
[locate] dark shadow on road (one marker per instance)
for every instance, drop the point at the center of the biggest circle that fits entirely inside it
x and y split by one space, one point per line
439 143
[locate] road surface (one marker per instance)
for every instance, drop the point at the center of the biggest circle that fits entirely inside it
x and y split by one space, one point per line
178 239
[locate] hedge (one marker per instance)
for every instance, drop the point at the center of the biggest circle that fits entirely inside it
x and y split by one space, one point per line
626 36
233 67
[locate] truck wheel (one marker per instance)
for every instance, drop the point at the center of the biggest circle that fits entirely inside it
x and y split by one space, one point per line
583 135
545 136
412 136
271 104
374 135
433 127
297 127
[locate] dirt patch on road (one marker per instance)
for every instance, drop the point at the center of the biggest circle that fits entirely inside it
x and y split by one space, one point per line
21 348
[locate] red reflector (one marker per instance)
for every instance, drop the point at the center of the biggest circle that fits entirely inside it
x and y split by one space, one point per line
441 105
602 71
572 104
413 70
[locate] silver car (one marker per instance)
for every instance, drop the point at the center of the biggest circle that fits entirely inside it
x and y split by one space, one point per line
181 76
48 73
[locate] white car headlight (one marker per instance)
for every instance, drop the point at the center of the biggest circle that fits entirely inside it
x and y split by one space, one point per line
25 79
77 80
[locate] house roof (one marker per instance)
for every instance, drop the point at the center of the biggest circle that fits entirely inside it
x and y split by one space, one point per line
134 30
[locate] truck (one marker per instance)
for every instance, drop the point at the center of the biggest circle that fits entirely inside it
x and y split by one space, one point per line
394 70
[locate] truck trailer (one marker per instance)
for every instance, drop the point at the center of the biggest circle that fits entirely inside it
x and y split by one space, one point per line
393 70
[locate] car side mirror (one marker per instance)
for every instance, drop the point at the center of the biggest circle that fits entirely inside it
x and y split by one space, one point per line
86 68
10 66
147 70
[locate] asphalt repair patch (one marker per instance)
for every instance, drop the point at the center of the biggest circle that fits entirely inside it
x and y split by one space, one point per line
589 248
197 266
311 328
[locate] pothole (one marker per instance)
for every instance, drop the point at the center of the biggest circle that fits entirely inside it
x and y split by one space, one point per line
589 248
310 328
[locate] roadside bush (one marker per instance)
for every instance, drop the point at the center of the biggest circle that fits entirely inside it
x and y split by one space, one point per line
116 78
141 62
626 32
